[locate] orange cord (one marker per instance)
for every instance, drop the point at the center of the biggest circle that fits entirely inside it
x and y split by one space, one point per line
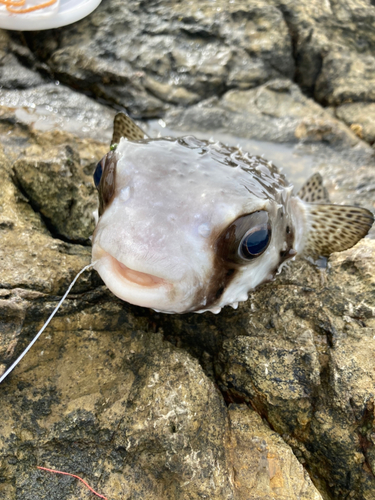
77 477
14 3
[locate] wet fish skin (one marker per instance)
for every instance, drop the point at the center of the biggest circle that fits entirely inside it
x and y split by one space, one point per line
178 217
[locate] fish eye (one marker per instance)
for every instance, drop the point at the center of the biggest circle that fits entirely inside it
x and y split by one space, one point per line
255 241
98 174
245 238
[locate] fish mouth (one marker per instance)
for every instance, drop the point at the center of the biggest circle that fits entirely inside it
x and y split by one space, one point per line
135 277
128 284
131 276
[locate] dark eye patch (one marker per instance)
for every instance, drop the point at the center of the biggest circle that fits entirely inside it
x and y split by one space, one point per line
105 179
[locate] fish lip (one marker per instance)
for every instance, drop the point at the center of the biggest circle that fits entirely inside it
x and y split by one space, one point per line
131 276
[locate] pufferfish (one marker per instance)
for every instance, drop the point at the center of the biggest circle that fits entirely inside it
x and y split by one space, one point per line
189 225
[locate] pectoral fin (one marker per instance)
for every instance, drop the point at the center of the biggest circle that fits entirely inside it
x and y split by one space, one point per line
334 228
123 126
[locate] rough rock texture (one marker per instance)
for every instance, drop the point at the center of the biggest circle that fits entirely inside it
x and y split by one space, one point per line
58 188
360 117
137 417
148 57
276 111
257 403
51 106
301 353
316 386
102 395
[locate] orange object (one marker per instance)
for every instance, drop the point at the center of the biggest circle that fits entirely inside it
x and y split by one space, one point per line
10 4
77 477
13 3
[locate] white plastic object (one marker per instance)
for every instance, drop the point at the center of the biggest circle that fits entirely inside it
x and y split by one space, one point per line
61 13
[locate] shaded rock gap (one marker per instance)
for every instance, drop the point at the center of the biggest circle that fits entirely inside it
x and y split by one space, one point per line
47 222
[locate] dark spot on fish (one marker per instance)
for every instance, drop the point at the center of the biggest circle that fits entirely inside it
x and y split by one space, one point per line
107 183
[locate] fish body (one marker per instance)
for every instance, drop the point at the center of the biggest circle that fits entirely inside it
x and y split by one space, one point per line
190 225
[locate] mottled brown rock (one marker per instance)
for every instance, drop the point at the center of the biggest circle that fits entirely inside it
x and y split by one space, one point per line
31 260
57 187
263 465
101 394
299 352
360 117
136 417
306 364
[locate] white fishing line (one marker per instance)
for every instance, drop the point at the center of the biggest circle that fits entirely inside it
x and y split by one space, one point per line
4 375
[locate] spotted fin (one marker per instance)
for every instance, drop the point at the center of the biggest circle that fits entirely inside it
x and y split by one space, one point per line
334 228
123 126
313 190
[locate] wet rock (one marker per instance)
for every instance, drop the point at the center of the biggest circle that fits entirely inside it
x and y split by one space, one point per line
135 416
331 42
150 59
360 117
56 186
30 257
194 51
276 111
31 261
305 365
344 187
346 78
102 395
13 74
297 352
267 459
23 233
56 181
204 48
56 107
129 398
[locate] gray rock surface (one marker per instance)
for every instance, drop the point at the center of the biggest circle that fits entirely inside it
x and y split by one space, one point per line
56 107
151 57
276 111
13 74
145 405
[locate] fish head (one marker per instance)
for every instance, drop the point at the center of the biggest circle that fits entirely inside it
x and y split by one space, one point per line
188 225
